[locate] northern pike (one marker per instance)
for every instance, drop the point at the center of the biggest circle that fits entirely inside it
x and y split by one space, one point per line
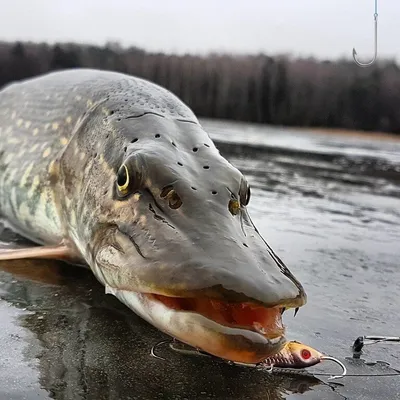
116 173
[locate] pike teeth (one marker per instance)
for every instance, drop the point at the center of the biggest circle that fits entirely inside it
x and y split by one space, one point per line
110 290
283 309
296 311
259 328
276 340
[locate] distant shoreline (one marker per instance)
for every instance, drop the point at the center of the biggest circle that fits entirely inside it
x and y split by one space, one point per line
355 133
262 89
375 135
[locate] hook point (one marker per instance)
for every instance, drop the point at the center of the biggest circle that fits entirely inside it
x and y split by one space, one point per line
152 351
335 360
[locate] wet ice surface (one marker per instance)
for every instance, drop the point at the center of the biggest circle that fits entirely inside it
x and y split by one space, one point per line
329 206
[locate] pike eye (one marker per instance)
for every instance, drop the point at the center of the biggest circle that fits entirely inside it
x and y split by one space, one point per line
123 180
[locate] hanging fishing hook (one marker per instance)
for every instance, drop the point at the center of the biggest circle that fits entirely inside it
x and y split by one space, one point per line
360 64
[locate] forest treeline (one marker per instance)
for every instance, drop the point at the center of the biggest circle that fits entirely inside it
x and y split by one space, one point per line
255 88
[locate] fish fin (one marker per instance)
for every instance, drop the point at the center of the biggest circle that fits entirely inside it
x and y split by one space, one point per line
59 252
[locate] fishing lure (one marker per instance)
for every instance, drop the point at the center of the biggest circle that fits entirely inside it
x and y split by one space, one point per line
297 355
292 359
294 355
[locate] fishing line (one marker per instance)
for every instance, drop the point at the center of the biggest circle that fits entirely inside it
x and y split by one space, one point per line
306 373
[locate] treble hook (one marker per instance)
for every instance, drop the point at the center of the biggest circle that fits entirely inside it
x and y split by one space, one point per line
376 41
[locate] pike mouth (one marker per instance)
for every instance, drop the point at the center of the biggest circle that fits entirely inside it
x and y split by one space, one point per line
239 332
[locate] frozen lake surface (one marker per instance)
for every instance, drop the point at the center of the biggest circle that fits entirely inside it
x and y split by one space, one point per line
329 205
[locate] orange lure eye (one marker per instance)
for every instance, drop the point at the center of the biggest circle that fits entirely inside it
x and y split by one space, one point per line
305 354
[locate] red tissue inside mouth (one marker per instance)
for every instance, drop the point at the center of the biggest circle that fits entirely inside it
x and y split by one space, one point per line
266 321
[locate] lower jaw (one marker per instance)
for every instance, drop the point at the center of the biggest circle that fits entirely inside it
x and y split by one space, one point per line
234 344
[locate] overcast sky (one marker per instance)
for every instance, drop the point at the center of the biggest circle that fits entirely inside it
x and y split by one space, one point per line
322 28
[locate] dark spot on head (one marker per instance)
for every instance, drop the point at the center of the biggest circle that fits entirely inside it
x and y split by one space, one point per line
126 99
125 148
174 201
193 188
95 155
214 192
195 149
134 140
207 145
157 135
206 167
173 144
112 112
118 119
107 136
166 191
179 163
105 192
245 245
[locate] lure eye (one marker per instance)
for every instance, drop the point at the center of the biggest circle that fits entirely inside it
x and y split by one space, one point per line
305 354
123 180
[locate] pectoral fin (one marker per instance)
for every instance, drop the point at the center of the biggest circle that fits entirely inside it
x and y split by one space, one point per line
59 252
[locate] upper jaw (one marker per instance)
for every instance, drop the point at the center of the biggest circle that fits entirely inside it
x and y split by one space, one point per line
228 278
234 285
196 261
